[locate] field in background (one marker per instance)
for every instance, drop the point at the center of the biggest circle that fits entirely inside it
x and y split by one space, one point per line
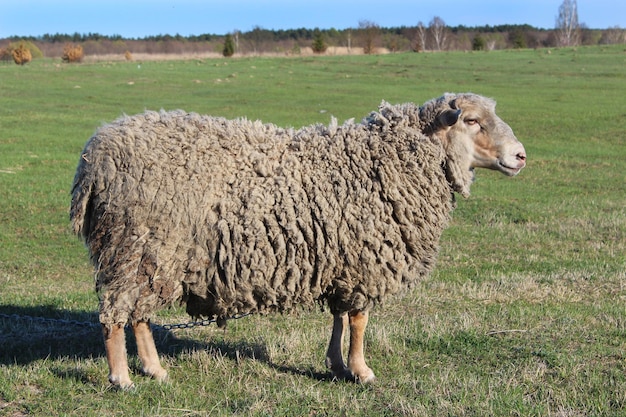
525 314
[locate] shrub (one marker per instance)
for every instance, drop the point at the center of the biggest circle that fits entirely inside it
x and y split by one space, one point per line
128 56
35 52
479 43
21 54
295 50
319 45
518 39
5 54
369 33
229 46
72 53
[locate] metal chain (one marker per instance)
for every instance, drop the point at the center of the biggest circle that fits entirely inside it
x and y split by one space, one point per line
192 324
91 324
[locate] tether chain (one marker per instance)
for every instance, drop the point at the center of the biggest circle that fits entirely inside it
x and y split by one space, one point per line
192 324
90 324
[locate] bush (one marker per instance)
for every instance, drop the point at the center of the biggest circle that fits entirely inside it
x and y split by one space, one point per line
229 46
35 52
5 54
21 54
319 45
479 43
128 56
72 53
295 50
517 39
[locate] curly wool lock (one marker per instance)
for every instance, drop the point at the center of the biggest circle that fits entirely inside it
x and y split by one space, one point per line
235 216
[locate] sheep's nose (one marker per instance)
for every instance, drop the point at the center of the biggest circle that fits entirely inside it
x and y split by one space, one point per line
521 156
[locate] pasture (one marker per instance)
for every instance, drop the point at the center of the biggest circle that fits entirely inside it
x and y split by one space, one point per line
525 314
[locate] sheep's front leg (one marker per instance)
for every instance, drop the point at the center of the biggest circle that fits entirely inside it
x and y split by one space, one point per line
356 359
146 349
334 355
115 345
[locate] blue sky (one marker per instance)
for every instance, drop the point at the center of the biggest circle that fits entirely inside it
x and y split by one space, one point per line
140 18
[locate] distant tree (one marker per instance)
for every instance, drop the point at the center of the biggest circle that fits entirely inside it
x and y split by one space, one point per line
421 38
370 32
319 45
438 33
613 35
229 46
349 40
236 32
256 36
589 36
567 24
478 43
391 42
517 39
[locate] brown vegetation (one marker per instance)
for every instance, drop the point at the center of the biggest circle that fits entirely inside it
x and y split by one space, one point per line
21 54
370 33
72 53
5 54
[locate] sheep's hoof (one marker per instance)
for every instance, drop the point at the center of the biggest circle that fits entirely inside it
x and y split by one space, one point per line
366 379
342 375
127 387
159 374
364 376
347 375
124 384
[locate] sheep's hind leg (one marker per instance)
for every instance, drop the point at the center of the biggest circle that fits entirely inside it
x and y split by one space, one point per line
146 349
334 356
356 359
115 345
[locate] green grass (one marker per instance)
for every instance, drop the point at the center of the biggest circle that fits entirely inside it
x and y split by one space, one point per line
525 314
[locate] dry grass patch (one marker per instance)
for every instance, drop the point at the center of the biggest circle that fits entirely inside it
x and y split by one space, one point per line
532 288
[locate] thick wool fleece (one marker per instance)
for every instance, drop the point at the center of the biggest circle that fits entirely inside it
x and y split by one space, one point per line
234 216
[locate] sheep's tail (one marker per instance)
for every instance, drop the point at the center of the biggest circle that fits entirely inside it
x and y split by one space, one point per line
81 199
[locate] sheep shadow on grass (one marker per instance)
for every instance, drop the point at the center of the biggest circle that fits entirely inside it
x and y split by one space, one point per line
29 334
171 345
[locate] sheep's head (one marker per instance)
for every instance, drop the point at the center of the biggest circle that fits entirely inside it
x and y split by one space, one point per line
473 136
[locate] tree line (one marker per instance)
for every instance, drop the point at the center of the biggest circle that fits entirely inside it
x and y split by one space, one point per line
368 37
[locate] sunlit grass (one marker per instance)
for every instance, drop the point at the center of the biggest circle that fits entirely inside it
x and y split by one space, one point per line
524 314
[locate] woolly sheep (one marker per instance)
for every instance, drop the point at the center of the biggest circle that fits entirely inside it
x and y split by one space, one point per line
236 216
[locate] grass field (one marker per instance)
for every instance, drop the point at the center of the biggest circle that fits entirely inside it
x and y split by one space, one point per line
525 314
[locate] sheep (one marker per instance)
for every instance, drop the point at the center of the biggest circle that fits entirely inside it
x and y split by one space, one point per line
237 216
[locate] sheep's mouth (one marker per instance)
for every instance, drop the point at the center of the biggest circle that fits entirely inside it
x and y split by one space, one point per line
509 170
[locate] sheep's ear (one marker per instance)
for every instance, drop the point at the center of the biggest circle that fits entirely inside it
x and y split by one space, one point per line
449 117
